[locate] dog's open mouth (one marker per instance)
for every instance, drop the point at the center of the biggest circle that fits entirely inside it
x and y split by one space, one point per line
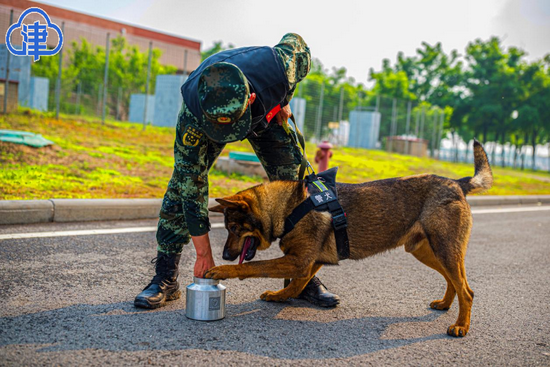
249 249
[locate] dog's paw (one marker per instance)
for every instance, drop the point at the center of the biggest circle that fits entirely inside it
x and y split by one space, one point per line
455 330
220 272
271 296
439 305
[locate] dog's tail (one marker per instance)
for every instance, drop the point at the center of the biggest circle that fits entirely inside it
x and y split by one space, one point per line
483 177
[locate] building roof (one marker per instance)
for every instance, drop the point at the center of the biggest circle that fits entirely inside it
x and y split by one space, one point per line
104 23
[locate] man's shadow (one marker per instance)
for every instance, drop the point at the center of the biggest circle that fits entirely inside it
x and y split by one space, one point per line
253 327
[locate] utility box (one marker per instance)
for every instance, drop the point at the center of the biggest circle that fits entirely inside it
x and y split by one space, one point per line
364 129
39 93
137 105
409 146
20 71
13 89
168 99
342 134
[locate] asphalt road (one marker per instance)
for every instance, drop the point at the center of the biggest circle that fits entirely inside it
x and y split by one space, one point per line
69 300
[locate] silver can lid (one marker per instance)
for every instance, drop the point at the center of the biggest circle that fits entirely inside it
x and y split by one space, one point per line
205 281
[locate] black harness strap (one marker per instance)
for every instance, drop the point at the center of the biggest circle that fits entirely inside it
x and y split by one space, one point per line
297 214
322 201
340 224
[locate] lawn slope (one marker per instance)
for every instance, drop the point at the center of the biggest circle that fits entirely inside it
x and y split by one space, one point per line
121 160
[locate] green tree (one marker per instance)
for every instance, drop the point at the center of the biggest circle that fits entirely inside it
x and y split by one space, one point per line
433 75
336 87
391 83
494 89
217 47
533 114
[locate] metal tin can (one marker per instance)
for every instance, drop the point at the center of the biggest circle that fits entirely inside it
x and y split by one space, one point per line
205 300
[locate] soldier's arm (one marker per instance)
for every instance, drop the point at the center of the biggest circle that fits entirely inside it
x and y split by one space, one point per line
195 202
192 164
191 176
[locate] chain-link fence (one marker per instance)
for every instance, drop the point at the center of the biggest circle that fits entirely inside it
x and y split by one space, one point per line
347 117
343 116
340 115
88 99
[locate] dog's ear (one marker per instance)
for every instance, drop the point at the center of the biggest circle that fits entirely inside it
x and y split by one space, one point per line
217 209
233 202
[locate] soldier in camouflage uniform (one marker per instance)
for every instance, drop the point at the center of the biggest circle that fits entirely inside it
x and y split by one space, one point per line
233 95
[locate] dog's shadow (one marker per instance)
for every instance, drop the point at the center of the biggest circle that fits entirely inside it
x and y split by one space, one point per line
256 327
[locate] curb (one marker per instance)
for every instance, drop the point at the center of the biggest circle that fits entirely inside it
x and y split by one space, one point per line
508 200
82 210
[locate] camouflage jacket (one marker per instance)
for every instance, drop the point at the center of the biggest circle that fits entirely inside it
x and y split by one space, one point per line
195 154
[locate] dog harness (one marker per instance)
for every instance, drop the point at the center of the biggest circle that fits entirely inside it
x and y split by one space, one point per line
323 198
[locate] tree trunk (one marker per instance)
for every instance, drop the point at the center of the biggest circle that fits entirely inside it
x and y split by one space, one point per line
457 140
534 157
503 142
534 145
493 152
452 150
523 150
522 157
516 146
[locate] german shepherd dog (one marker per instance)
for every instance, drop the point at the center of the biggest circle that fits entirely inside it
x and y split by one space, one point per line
427 214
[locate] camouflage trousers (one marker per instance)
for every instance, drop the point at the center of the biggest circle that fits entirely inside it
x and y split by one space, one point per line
185 206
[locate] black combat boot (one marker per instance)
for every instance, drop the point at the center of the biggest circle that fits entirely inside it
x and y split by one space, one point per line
315 292
164 286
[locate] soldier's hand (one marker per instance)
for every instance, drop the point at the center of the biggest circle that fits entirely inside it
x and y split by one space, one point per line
204 255
203 264
283 115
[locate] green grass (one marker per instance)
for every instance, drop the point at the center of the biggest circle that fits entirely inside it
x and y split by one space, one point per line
121 160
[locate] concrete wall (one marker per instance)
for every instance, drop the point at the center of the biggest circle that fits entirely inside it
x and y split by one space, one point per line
247 168
168 99
137 104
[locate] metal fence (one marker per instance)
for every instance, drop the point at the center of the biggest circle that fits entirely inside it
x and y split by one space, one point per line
324 112
324 116
331 114
91 99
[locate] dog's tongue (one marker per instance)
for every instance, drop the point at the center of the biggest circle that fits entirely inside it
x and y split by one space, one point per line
247 243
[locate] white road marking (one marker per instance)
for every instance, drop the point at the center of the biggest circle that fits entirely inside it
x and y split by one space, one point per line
89 232
510 210
86 232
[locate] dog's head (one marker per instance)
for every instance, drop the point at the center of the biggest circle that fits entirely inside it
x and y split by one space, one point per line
244 224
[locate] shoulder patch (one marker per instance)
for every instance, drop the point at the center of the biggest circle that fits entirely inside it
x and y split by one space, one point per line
192 136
